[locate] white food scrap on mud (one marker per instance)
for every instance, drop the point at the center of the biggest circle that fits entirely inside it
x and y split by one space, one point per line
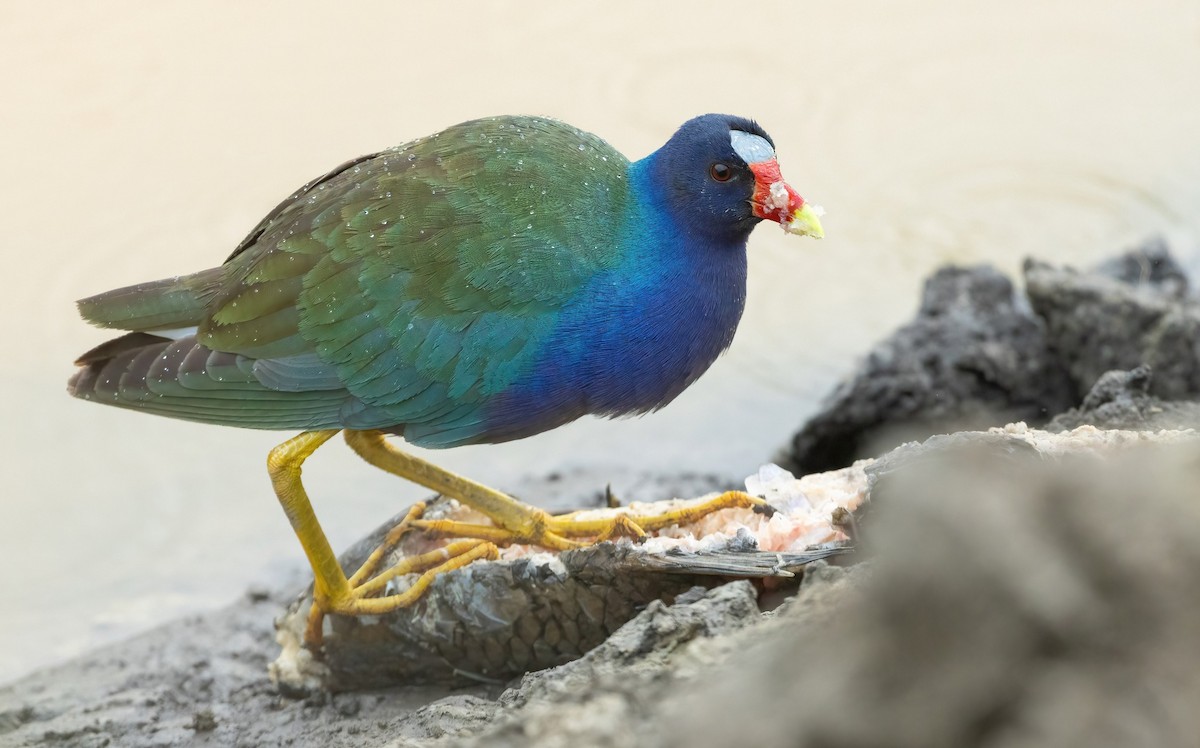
803 517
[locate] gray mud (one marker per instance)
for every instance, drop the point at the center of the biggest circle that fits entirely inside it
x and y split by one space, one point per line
1020 590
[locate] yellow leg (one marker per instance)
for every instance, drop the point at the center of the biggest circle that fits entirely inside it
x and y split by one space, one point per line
390 541
567 525
516 522
521 522
332 591
620 525
284 463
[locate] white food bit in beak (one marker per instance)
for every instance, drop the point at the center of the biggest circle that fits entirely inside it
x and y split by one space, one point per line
778 198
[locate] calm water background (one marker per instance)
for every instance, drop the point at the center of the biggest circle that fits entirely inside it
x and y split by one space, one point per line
142 140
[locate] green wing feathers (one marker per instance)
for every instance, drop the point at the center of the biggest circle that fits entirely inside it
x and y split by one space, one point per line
157 305
403 288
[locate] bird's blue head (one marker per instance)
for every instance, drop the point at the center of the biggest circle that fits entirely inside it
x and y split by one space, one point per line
718 177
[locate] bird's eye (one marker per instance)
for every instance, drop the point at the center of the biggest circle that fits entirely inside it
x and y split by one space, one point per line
720 172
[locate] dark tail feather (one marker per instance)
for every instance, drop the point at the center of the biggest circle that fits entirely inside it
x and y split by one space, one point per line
183 379
110 348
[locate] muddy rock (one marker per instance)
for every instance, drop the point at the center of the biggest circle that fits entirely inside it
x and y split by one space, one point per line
979 355
973 357
613 697
1002 605
1122 400
1033 601
1133 310
486 622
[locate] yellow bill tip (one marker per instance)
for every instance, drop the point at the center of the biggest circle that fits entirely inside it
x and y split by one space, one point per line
806 221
